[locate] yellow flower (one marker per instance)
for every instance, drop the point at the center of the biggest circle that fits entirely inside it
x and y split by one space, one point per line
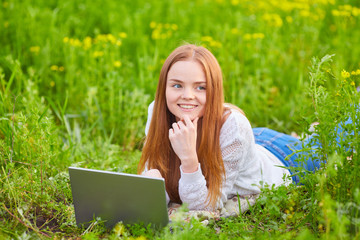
101 38
75 42
352 83
358 72
35 49
235 2
355 11
87 43
174 27
153 24
346 7
156 34
335 13
65 39
289 19
118 43
119 229
345 74
247 36
117 64
111 38
258 35
97 54
234 31
216 44
304 13
123 35
273 19
61 69
54 68
206 38
52 83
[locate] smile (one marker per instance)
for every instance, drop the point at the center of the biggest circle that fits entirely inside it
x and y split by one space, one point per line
187 106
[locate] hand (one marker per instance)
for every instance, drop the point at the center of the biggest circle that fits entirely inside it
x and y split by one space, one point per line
183 136
155 173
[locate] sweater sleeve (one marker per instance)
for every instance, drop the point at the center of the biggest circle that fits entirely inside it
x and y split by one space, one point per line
237 143
150 112
243 169
193 190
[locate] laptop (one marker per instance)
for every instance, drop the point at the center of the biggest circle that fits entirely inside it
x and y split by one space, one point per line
116 197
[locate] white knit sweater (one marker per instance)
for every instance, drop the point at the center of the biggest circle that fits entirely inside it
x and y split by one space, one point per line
248 166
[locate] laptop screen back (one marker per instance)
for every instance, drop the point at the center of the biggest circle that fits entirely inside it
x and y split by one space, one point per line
116 197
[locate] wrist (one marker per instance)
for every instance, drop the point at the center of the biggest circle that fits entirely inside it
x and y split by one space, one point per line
189 167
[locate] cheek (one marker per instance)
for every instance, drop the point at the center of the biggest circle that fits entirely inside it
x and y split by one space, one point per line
169 97
203 99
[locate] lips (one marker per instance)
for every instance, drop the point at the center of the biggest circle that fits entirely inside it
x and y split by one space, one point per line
187 106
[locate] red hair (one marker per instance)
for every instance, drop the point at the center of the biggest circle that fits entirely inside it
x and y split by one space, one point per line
157 151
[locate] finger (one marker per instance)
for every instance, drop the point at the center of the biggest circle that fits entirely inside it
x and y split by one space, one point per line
181 125
171 132
187 120
175 127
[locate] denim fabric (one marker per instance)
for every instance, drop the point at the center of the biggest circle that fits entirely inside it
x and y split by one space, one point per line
288 149
283 145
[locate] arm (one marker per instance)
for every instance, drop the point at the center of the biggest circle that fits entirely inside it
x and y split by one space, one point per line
241 169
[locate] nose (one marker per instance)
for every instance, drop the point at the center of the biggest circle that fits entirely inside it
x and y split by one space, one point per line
188 93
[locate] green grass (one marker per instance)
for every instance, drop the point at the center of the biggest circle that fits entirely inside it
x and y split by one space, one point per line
76 79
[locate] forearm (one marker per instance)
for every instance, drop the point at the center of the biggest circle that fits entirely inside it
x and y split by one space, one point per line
193 190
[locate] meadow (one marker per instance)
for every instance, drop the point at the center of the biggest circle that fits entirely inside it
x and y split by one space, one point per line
76 78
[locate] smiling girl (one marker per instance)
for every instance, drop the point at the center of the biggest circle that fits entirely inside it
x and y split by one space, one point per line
206 150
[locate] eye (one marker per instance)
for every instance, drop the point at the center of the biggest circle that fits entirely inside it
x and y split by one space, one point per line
176 85
201 88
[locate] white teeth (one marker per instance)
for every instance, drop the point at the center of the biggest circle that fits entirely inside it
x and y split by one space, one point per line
187 106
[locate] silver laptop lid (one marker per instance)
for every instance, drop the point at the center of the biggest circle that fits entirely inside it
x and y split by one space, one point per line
116 197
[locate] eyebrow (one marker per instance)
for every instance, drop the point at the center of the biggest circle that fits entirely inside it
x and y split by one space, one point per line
177 80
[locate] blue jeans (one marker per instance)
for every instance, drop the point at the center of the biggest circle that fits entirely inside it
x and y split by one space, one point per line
283 145
288 149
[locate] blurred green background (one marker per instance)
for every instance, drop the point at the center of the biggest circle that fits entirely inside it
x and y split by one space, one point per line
95 64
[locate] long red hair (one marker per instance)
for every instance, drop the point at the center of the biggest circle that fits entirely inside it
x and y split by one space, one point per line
157 151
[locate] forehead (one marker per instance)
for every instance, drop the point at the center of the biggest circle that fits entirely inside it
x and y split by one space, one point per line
183 70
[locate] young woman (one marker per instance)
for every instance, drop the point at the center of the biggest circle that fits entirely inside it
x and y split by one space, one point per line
206 150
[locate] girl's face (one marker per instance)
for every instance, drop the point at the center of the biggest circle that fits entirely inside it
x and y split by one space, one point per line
186 90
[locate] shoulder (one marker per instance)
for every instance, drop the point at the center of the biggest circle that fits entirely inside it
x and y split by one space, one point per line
151 107
235 118
150 112
236 127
